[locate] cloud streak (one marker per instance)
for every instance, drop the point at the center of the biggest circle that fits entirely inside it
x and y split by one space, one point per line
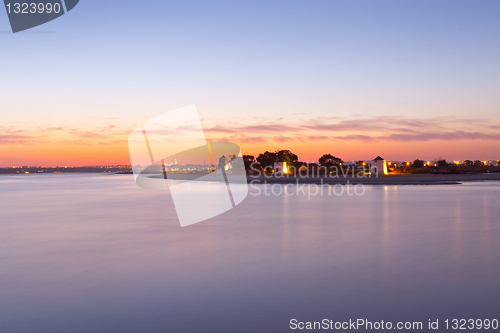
296 128
381 128
57 134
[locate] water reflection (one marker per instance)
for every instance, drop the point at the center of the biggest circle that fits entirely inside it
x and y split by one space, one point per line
286 222
95 253
458 245
487 259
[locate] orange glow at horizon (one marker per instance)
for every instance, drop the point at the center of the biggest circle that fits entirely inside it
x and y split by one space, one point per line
64 154
57 154
350 140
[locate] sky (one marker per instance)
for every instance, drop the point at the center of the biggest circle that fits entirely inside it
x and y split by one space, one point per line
355 79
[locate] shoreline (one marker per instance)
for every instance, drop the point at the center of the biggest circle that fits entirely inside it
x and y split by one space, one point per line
419 179
440 179
404 179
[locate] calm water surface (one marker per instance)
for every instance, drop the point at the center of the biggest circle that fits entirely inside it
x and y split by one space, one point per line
95 253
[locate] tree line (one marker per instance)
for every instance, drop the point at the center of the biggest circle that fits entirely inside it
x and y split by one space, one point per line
266 160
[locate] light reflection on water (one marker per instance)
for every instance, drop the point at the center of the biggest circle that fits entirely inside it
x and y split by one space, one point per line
96 253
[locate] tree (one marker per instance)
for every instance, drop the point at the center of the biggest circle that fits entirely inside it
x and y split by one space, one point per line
238 166
478 163
286 156
248 159
267 159
442 164
468 163
418 164
329 160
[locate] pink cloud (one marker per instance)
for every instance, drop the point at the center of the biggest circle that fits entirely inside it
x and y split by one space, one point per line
395 128
424 136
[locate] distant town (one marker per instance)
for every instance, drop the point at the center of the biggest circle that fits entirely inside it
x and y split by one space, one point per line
286 162
66 169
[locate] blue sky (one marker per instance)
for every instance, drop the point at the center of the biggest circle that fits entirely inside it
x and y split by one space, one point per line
125 62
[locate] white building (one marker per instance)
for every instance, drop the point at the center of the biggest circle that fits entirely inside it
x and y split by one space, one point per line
281 168
224 165
379 166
